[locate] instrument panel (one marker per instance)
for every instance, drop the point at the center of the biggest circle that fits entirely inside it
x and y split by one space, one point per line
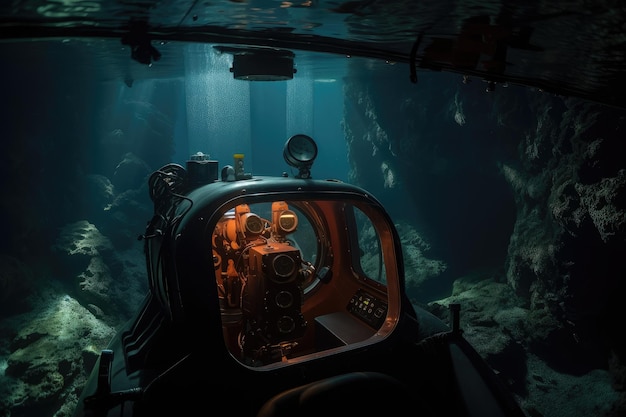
368 308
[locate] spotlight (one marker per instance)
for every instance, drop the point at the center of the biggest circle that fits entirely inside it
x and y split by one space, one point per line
300 152
260 63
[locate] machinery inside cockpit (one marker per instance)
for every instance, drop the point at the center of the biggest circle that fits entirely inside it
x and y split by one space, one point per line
260 274
282 293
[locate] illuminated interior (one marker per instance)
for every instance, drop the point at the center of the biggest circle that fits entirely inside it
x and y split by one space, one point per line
285 296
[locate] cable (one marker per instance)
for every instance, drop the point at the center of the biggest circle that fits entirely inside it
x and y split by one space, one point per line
170 179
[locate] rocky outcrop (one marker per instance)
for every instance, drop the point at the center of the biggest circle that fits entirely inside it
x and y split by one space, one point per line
47 357
571 210
524 184
50 350
97 276
499 325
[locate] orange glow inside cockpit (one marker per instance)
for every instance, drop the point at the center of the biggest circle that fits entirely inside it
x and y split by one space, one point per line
283 292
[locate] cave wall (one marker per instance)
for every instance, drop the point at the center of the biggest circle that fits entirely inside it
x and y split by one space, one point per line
526 183
569 182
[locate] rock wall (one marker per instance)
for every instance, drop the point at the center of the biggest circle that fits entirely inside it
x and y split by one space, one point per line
524 184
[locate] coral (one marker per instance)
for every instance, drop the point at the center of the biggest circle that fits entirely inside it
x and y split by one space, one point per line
418 268
605 201
95 281
47 361
82 238
565 206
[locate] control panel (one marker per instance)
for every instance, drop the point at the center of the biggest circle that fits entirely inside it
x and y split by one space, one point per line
368 308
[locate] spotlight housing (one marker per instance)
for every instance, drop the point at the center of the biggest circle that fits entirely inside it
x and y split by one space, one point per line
260 63
300 152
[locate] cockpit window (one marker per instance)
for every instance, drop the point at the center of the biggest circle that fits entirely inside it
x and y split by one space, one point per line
283 293
370 260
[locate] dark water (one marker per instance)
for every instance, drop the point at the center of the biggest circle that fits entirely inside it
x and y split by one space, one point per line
69 118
